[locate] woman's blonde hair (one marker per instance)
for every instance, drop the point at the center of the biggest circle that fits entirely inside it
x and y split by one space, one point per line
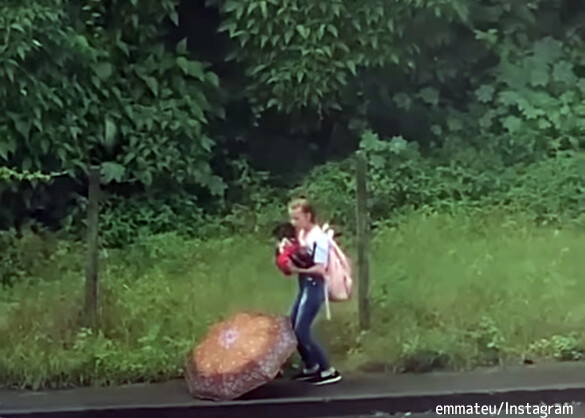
304 204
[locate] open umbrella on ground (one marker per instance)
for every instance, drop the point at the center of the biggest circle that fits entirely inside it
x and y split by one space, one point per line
238 355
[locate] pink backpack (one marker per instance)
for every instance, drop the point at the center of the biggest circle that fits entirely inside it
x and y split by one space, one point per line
338 280
338 276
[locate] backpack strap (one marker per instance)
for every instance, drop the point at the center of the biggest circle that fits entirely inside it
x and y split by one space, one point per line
325 288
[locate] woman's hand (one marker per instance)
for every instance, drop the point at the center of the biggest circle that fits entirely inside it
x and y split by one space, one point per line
292 268
318 269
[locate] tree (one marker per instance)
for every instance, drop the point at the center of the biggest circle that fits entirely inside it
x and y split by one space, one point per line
94 83
307 55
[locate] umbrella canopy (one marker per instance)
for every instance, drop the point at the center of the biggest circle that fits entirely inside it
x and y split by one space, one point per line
239 355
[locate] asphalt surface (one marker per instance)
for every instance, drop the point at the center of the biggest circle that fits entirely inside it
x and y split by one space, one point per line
358 394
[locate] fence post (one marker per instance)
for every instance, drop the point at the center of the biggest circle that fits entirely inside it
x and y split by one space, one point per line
363 247
91 266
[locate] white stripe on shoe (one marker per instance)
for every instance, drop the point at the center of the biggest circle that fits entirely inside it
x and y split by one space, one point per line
307 374
328 381
325 378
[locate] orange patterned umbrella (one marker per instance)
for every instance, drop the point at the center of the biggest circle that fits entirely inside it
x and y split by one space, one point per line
239 355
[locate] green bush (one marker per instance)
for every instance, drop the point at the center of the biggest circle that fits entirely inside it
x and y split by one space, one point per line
251 206
402 180
11 258
124 220
551 190
31 257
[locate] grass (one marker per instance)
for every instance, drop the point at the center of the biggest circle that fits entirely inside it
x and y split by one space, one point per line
448 292
473 290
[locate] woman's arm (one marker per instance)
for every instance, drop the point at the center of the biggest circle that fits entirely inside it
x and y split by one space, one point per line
318 269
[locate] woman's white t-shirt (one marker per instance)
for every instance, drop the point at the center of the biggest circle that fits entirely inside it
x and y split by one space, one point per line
316 238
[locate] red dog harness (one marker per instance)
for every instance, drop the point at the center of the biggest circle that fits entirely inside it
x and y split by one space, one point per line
283 258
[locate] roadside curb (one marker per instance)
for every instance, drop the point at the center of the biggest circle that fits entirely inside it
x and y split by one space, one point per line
358 395
317 407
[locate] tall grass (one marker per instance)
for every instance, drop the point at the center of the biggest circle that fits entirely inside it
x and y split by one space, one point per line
448 291
158 298
475 289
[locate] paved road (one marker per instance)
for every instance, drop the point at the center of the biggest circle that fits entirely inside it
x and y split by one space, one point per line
577 411
357 394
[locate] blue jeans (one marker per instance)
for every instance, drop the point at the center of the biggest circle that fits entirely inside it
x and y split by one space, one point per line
305 309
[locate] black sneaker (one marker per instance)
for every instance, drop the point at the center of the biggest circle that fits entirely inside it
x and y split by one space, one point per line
306 374
325 378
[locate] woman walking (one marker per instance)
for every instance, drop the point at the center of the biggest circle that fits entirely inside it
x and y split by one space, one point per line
311 295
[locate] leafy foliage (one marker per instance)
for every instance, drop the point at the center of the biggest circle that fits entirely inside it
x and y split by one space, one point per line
527 107
302 56
10 175
402 179
95 84
125 220
30 258
446 70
